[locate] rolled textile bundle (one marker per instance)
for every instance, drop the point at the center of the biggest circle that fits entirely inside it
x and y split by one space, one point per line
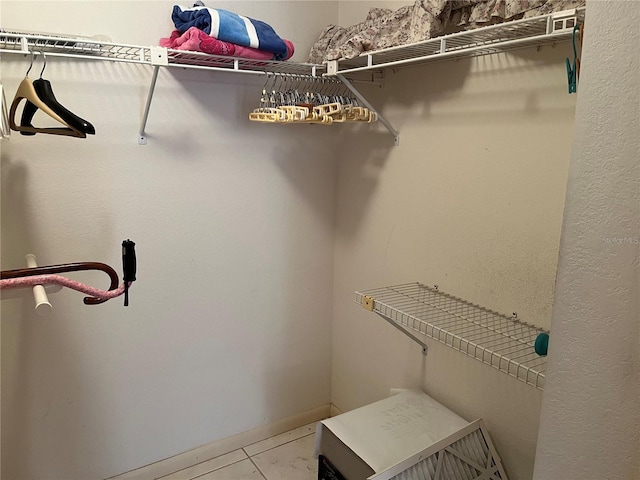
230 27
192 40
198 41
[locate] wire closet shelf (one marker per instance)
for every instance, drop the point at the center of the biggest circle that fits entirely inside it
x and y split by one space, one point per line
529 32
91 49
54 45
502 342
502 37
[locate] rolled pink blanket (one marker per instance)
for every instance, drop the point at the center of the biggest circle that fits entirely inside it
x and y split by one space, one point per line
65 282
196 40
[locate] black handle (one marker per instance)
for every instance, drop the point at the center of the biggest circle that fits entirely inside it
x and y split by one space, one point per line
128 266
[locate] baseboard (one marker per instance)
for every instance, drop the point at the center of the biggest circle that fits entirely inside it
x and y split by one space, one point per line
225 445
334 411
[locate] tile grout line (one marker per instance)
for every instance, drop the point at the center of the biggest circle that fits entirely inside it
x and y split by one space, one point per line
244 451
251 457
257 467
271 448
205 461
220 468
278 446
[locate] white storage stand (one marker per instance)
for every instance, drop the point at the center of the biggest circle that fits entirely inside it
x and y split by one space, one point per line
404 437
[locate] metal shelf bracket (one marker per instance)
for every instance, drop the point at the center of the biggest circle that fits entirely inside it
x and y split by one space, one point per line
354 90
425 349
142 136
159 58
368 303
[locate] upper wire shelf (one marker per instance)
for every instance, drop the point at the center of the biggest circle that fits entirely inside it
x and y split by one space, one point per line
92 49
535 31
74 47
67 46
502 342
182 58
502 37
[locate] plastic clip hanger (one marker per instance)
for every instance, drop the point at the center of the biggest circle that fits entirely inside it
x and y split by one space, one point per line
321 101
27 92
572 70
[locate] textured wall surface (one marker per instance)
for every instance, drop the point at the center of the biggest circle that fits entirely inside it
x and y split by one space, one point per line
242 230
472 200
591 406
234 229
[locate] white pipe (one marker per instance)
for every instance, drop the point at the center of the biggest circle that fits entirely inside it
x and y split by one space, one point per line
43 307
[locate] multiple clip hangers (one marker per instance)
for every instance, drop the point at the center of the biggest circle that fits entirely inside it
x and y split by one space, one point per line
290 98
39 96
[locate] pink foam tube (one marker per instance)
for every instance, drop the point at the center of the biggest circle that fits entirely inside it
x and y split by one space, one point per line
65 282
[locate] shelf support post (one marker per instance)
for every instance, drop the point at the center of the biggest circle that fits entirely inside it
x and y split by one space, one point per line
411 336
142 137
159 57
385 122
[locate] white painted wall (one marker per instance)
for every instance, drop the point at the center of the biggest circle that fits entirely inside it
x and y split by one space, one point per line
471 200
591 406
229 322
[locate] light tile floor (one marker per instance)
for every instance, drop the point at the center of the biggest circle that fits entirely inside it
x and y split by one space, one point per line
288 456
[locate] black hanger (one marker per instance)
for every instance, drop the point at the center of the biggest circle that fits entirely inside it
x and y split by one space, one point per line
27 91
45 93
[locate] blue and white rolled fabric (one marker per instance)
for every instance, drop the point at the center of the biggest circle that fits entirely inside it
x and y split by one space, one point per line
229 27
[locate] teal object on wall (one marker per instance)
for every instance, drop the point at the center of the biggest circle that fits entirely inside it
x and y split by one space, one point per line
542 344
572 68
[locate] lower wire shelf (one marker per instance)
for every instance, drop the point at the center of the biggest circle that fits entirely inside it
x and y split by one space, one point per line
502 342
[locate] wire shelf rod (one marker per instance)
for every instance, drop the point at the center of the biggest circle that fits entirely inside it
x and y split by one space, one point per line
449 310
504 343
501 37
215 69
81 48
497 32
451 338
86 57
